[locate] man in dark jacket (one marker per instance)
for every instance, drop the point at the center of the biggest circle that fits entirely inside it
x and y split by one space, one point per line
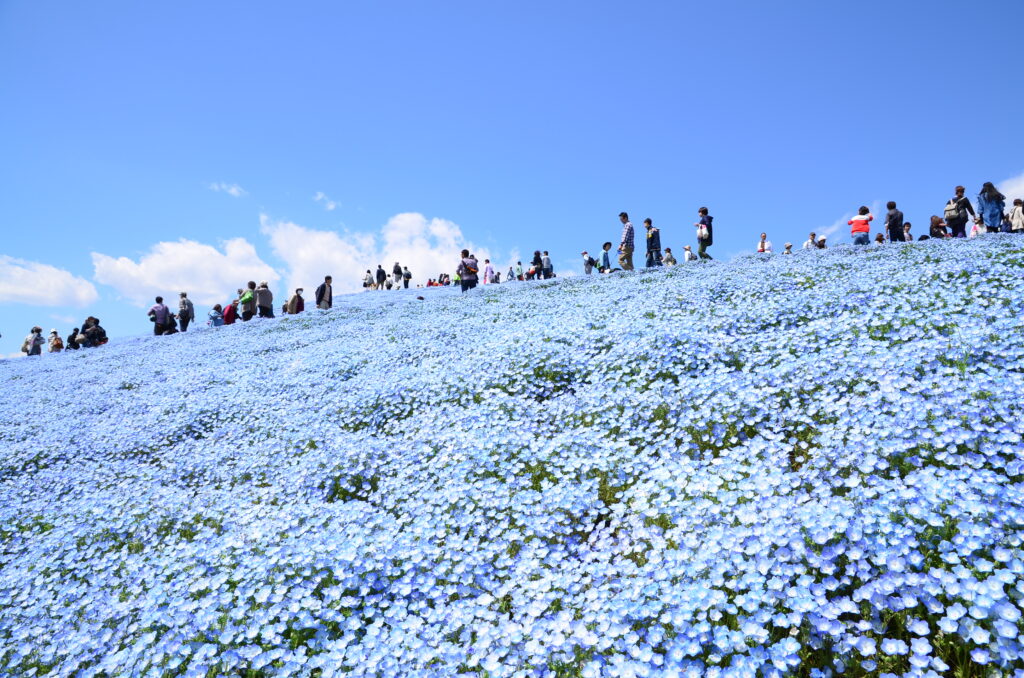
382 277
894 222
324 295
653 244
705 243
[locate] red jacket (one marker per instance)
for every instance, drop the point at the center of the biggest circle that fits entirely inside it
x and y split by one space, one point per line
860 223
229 314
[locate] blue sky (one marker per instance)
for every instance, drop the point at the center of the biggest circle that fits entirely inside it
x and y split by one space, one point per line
152 147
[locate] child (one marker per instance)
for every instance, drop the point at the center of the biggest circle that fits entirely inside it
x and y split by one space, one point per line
860 227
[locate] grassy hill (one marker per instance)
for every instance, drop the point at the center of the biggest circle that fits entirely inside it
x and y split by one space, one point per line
804 465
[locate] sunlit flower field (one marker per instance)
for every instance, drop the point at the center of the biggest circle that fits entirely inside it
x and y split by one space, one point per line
807 465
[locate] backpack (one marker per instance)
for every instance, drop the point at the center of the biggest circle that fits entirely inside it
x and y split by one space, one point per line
58 344
952 211
591 261
407 275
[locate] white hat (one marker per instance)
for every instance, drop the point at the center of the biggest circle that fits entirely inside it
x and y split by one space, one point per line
53 331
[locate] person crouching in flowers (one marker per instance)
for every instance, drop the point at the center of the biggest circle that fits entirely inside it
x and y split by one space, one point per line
937 228
216 316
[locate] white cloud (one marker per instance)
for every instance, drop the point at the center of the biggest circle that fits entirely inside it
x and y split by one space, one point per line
68 319
329 204
427 246
208 275
30 282
1012 188
234 190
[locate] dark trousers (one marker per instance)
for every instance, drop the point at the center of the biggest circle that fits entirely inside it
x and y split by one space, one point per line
266 311
959 228
896 235
184 320
467 284
158 329
702 250
653 258
405 283
247 316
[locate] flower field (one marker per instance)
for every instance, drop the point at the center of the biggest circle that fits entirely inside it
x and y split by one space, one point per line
807 465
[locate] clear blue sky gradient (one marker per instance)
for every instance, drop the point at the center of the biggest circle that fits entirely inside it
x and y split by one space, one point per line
529 124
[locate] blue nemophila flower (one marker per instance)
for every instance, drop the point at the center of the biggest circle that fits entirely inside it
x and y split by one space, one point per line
734 469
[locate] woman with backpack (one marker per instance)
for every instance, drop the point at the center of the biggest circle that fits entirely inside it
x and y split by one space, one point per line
956 213
991 204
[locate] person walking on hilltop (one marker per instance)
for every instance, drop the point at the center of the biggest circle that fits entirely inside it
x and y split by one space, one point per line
396 276
406 277
894 222
626 243
860 226
33 344
324 295
186 311
382 277
159 314
653 244
956 213
705 233
467 271
991 205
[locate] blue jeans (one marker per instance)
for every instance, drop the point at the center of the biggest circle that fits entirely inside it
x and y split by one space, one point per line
653 258
861 238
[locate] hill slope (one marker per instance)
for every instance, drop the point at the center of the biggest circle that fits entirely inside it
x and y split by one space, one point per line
771 465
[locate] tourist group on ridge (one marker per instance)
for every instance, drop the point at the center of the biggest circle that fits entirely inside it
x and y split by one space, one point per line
257 301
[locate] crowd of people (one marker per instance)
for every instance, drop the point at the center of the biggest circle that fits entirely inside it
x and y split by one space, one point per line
257 301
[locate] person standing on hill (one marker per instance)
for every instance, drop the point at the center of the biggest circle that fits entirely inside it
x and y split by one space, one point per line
764 245
247 301
537 264
33 344
324 296
396 276
1017 216
653 244
55 343
704 227
956 213
296 304
406 277
860 226
186 311
159 314
907 237
382 277
812 242
467 271
626 243
546 267
894 222
265 300
991 205
488 272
